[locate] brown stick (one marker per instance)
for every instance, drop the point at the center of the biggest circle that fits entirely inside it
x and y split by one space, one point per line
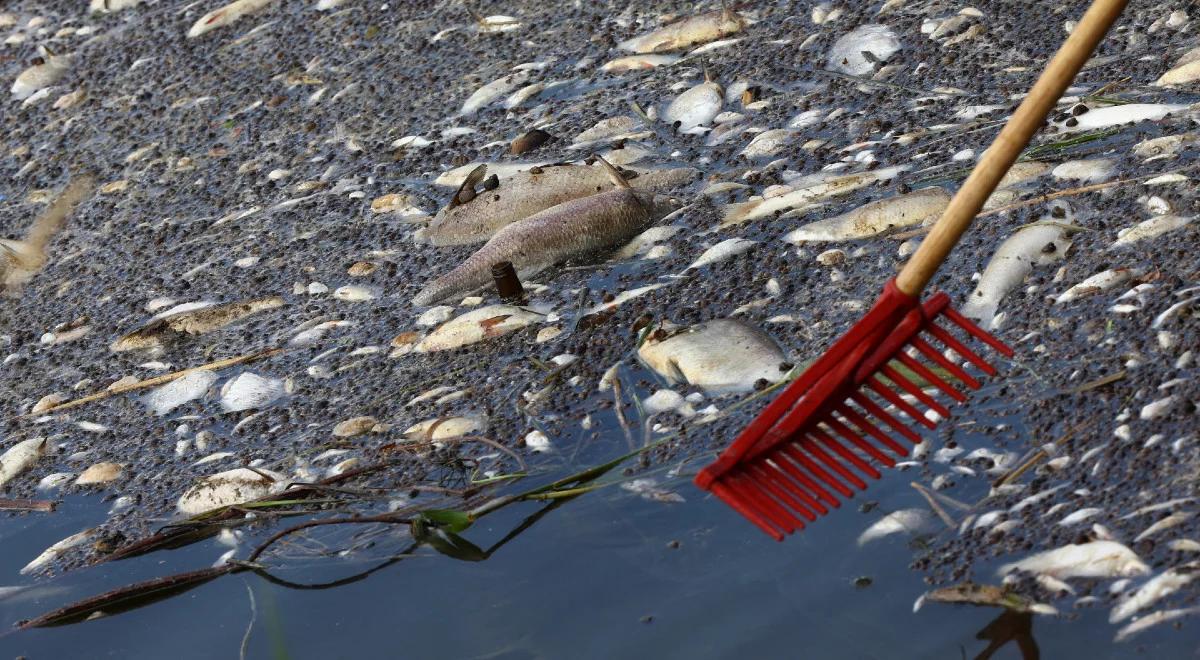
44 506
1008 145
159 380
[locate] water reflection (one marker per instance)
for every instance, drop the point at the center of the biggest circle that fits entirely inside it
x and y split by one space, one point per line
1010 626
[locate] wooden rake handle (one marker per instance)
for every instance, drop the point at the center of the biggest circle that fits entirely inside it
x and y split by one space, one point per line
1008 145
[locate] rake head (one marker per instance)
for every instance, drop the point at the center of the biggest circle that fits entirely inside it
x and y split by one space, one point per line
817 440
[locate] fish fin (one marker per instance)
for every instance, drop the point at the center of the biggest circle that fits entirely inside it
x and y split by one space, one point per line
466 192
707 74
614 174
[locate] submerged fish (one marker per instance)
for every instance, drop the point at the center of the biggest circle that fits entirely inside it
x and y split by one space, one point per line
1036 245
474 218
193 322
572 229
227 15
687 32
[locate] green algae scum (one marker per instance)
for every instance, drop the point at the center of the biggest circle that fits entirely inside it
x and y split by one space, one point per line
234 426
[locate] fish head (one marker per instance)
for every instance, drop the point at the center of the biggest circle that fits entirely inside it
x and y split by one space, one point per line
659 206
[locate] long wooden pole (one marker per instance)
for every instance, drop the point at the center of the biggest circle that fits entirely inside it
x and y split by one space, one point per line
1008 145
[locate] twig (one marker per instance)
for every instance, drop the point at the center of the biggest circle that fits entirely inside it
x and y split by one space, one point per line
937 508
385 518
250 626
44 506
159 380
618 402
1099 382
1040 199
1033 460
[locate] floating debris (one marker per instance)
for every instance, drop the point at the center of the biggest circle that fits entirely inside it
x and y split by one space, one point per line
721 355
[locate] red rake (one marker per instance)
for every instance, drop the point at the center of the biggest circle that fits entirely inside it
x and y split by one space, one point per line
815 442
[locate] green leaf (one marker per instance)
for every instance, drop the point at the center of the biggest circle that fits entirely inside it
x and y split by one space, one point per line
448 519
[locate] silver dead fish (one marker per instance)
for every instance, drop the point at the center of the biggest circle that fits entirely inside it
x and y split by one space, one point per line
572 229
690 31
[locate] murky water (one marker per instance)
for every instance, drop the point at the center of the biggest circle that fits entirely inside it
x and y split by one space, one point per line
605 575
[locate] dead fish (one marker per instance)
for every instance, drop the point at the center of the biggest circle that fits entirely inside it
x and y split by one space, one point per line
721 355
638 63
573 229
1097 559
193 322
226 15
806 193
492 91
1155 589
1182 74
696 106
1156 226
110 6
876 217
858 51
727 248
530 192
1116 115
1168 522
476 326
54 551
1036 245
20 260
687 32
456 177
228 488
1101 281
909 521
41 75
768 143
19 457
1151 620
